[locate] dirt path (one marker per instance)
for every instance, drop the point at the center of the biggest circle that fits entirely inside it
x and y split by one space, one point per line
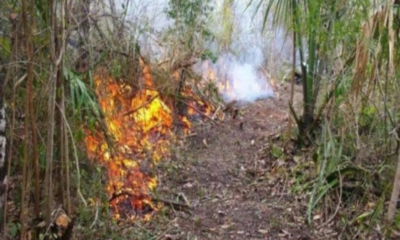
234 192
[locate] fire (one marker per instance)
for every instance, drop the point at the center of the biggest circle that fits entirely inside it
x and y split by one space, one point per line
217 75
139 133
197 107
140 129
236 80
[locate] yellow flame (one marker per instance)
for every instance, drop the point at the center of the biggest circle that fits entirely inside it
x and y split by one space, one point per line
139 130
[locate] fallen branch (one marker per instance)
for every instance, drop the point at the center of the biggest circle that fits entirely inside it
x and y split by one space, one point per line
201 113
190 135
215 113
175 205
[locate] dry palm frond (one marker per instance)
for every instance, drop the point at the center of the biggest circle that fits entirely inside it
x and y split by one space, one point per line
362 55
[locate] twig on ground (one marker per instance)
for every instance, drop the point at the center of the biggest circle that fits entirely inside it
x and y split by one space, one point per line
177 205
284 187
201 113
215 113
183 196
96 216
190 135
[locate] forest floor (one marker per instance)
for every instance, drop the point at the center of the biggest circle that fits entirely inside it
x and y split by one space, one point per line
234 185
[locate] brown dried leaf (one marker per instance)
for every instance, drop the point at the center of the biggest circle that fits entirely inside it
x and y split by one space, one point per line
63 220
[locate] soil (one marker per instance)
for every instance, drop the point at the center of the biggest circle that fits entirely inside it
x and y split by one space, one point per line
234 186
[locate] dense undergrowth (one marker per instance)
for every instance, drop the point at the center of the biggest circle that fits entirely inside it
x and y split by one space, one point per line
346 137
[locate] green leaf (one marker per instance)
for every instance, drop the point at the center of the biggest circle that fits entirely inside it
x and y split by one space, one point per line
14 230
5 47
276 151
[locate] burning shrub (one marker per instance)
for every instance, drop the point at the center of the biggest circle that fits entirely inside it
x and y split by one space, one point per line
139 133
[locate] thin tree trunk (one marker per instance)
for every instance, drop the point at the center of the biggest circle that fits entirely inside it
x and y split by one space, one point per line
51 118
64 124
56 52
59 125
293 80
83 63
9 76
28 124
293 68
35 155
67 171
49 151
3 142
395 194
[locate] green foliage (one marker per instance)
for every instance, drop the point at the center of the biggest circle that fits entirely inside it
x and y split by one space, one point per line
5 47
321 27
13 229
116 68
352 138
355 142
367 116
227 19
208 54
328 159
191 24
276 151
82 99
188 12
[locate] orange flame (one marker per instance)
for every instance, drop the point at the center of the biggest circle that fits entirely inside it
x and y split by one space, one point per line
139 128
139 131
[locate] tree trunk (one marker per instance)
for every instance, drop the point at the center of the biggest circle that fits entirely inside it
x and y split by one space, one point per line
395 194
3 141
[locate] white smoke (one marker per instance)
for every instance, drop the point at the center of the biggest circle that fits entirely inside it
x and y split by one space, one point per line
247 84
236 80
242 68
243 64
